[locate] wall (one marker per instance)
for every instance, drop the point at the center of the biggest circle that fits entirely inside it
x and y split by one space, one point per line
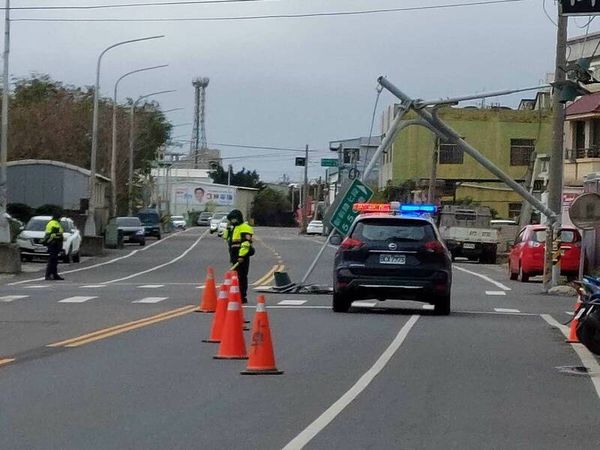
497 198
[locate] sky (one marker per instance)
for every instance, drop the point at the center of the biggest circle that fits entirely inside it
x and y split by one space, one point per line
291 82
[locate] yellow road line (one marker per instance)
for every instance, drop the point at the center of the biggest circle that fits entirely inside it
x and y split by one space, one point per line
122 328
267 276
280 268
6 361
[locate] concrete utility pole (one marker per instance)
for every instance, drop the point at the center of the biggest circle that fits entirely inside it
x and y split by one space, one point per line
305 194
555 181
433 173
4 226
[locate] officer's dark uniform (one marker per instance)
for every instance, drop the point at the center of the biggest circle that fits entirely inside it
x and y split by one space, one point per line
54 242
239 239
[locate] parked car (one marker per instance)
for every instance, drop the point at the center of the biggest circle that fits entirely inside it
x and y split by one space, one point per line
385 256
150 219
526 258
132 230
178 222
223 223
215 220
204 219
315 227
31 238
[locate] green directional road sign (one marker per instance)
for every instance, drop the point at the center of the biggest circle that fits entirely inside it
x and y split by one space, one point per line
340 215
329 162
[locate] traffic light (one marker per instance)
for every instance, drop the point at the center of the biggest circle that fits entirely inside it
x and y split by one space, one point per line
301 161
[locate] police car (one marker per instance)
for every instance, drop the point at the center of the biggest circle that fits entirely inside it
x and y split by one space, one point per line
392 252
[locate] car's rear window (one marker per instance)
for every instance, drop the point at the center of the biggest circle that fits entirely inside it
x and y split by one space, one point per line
393 230
128 222
567 236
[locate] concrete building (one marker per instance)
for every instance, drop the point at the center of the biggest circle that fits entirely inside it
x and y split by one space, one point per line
505 136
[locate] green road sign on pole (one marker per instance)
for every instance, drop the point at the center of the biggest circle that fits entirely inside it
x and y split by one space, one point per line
341 215
329 162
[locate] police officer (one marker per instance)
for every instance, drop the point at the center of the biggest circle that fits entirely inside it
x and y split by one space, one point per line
239 239
54 242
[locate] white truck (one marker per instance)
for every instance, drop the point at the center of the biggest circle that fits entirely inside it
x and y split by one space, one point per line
467 233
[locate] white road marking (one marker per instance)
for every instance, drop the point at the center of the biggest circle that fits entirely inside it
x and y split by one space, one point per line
100 264
92 286
201 287
292 302
506 310
569 313
76 299
327 417
12 298
428 307
364 304
151 286
38 286
160 266
150 300
495 293
484 277
586 357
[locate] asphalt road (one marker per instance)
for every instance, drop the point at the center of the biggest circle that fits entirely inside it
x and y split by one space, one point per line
386 375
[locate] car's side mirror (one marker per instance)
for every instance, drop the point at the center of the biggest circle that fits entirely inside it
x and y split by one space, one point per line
336 239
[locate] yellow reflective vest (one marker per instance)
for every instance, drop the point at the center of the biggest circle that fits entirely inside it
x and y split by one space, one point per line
239 239
54 232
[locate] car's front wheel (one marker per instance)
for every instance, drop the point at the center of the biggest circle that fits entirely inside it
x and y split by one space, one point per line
442 305
67 257
341 303
76 257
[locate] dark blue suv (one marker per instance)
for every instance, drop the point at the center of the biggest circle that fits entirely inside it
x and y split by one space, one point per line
392 257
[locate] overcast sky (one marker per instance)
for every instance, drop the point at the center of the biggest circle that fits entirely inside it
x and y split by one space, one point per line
288 82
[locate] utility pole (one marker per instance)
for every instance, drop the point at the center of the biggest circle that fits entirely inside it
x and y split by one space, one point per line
4 226
305 194
557 155
433 173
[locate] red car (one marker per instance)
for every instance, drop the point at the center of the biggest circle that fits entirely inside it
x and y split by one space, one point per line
526 258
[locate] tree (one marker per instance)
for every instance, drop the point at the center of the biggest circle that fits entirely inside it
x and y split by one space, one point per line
244 177
272 208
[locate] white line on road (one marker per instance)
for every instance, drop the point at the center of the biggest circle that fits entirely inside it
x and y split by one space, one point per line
12 298
160 266
506 310
151 286
92 286
38 286
150 300
76 299
101 264
495 293
202 287
428 307
483 277
364 304
586 357
330 414
292 302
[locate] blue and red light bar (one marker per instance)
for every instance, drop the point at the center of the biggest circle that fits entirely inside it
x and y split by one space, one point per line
394 207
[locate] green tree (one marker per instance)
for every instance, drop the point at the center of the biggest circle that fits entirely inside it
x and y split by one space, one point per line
244 177
272 208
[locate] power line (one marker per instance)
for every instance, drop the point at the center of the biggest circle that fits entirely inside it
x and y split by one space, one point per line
130 5
275 16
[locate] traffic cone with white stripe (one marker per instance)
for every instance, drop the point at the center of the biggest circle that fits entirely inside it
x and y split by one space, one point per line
219 318
233 345
238 298
208 303
262 357
573 339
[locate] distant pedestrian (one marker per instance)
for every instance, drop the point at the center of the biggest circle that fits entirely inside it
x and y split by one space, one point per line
239 239
54 242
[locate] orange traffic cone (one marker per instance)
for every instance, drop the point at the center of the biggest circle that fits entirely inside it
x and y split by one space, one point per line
209 294
219 318
238 298
262 359
573 339
233 345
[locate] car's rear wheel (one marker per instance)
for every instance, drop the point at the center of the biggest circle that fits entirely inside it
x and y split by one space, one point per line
76 257
341 303
67 257
442 305
142 243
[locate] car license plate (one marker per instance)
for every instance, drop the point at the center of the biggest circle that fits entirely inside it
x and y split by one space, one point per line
392 259
468 245
39 250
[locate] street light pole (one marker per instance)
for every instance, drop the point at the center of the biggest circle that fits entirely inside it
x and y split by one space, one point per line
132 144
90 223
113 152
305 194
4 227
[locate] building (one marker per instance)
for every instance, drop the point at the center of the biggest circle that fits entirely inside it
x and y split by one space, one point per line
507 137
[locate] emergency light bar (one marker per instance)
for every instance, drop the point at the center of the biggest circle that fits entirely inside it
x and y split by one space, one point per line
372 207
394 207
418 209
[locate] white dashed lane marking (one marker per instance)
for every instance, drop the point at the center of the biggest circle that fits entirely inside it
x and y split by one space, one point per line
76 299
495 293
150 300
151 286
506 310
12 298
292 302
364 304
37 286
93 286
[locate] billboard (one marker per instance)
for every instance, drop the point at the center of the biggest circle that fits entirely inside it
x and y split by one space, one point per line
196 196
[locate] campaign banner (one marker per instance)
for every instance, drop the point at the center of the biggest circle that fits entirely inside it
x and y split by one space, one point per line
198 195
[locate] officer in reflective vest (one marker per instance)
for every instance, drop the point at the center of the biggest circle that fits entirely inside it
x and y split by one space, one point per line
239 239
54 241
